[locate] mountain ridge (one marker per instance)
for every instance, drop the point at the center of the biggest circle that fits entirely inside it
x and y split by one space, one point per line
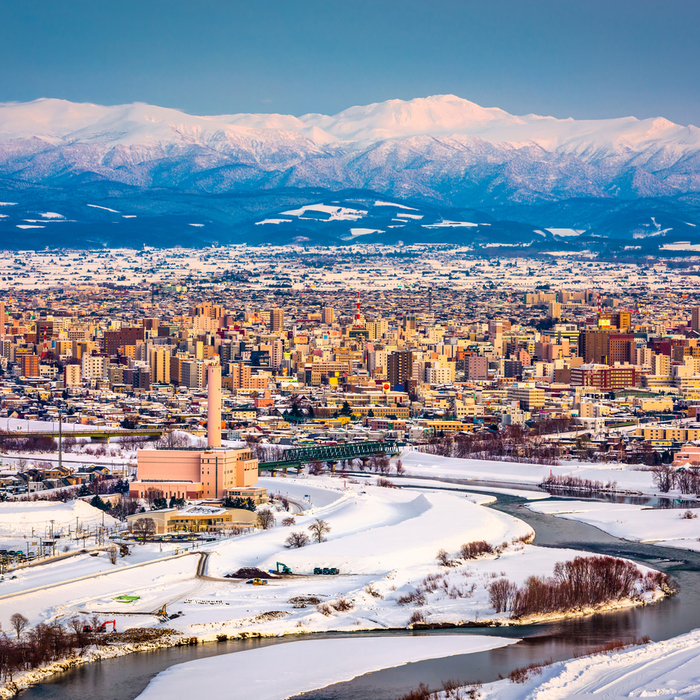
443 152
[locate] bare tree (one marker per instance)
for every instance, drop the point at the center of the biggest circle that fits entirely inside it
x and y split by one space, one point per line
144 527
443 557
400 469
19 623
288 521
266 519
296 540
318 529
664 477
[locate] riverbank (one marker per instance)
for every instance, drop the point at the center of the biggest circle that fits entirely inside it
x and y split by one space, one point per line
21 681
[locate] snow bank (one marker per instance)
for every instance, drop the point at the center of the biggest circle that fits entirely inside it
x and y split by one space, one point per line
663 669
631 522
420 464
297 668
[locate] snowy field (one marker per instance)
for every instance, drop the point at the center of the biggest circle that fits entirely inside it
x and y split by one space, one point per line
21 519
667 528
419 464
384 542
297 669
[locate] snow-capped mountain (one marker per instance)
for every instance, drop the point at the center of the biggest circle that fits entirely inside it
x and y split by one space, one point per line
443 148
441 151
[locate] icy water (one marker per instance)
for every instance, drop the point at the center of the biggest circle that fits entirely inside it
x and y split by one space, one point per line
126 677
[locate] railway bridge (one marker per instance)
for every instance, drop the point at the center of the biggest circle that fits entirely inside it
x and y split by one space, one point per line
332 454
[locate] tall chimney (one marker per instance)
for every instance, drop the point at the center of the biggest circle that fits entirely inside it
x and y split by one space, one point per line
214 406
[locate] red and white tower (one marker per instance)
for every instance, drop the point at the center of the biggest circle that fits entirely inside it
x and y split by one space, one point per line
358 321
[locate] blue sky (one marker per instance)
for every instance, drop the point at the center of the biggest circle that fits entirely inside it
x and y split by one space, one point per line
567 58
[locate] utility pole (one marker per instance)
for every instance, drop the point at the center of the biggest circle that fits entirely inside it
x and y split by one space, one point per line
60 436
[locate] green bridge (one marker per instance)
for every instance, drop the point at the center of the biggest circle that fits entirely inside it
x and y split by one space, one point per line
295 458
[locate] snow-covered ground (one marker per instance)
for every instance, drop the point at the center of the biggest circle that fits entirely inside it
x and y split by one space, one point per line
297 669
667 528
668 669
22 519
420 464
384 542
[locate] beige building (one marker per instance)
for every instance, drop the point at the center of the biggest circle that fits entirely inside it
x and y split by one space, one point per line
196 518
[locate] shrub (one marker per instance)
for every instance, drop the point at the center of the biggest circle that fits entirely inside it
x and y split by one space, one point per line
288 522
473 550
416 617
342 605
688 515
581 582
521 675
414 597
324 609
371 590
422 692
296 540
386 483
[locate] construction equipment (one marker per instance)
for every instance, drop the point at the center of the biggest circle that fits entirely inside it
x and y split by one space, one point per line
326 571
163 612
101 628
257 581
283 568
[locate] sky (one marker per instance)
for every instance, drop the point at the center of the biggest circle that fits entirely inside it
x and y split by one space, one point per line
565 58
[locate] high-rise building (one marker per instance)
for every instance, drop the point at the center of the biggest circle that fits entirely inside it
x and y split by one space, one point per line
554 309
240 375
277 320
477 368
159 361
30 365
72 375
695 319
399 367
328 316
3 318
124 336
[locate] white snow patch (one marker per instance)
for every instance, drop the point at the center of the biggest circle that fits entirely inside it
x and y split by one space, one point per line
392 204
273 221
336 213
97 206
297 668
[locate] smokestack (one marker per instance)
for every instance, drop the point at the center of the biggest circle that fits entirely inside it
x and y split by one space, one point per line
214 406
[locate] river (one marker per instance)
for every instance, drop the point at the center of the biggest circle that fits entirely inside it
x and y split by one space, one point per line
125 678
